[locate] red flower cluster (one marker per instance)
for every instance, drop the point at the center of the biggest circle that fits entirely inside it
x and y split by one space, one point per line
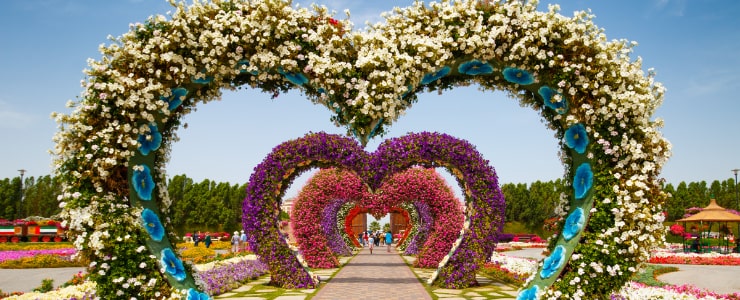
719 260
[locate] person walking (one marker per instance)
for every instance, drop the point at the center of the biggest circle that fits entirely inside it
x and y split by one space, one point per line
196 238
388 240
207 240
371 242
243 241
377 239
359 238
235 243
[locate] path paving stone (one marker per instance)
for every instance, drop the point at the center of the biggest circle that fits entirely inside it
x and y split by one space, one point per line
291 297
380 275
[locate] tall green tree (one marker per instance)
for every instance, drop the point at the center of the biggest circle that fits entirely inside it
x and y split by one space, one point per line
516 196
40 196
698 194
374 226
673 206
10 198
180 209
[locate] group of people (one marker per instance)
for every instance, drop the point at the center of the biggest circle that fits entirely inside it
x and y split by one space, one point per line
206 238
238 242
374 239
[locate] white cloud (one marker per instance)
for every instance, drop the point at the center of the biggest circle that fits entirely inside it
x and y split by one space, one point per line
10 119
676 8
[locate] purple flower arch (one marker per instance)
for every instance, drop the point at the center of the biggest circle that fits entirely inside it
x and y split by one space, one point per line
420 231
335 240
484 200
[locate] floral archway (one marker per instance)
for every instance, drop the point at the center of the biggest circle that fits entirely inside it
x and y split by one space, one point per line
421 223
389 170
356 210
328 189
112 149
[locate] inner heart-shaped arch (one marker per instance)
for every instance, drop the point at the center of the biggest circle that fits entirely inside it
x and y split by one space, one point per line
413 185
484 211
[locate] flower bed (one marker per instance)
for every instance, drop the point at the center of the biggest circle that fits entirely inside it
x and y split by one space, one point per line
218 278
18 254
230 274
713 258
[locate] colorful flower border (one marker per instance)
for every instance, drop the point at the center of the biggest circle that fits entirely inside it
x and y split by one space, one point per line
112 149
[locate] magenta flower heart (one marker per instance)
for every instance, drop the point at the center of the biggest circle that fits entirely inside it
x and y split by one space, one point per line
485 203
331 188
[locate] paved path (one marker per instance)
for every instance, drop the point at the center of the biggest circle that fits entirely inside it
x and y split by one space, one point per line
25 280
719 279
380 275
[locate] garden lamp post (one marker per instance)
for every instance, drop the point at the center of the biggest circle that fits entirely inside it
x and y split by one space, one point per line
737 202
20 206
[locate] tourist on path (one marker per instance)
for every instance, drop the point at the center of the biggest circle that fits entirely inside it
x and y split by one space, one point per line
235 243
207 241
371 242
196 238
388 240
243 242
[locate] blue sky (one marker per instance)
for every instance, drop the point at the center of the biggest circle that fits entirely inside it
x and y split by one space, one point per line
693 45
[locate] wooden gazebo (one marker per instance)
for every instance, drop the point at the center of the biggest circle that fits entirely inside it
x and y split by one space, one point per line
712 213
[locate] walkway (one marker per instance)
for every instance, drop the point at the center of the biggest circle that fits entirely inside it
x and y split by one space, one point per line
380 275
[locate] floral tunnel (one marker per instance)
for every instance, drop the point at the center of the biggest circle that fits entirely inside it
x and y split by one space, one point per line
377 171
320 242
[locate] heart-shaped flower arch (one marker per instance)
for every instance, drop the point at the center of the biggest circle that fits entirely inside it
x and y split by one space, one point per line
484 212
112 149
322 191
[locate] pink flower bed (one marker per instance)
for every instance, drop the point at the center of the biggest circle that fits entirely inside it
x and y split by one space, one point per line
636 290
668 257
18 254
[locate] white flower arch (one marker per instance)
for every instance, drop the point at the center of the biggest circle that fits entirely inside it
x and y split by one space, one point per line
111 151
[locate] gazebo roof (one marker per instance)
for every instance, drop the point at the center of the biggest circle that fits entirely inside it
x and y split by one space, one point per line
712 213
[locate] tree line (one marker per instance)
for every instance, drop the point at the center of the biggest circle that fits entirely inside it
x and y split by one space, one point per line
216 206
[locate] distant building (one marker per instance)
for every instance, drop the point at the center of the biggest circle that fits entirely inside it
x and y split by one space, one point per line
287 205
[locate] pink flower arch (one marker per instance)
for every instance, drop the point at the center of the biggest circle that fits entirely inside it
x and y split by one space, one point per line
414 184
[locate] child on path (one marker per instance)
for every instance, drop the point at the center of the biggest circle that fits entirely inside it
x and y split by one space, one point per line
371 242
